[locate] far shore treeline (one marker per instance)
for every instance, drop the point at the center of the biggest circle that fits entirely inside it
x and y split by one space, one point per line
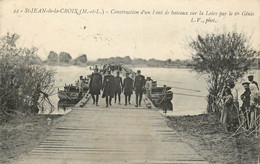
65 59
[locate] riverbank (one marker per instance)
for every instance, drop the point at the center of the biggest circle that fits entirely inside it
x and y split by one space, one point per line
23 133
204 134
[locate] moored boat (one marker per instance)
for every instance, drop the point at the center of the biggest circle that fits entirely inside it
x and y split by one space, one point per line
160 96
71 92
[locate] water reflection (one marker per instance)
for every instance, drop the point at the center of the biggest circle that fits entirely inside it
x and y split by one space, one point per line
66 105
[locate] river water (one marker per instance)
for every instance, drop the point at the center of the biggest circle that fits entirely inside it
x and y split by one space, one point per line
189 89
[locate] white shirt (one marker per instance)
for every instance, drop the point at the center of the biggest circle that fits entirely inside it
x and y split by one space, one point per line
148 85
254 92
234 92
80 84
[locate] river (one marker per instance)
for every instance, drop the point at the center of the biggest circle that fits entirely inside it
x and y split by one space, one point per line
189 89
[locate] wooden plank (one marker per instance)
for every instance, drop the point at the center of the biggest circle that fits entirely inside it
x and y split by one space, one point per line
84 100
149 104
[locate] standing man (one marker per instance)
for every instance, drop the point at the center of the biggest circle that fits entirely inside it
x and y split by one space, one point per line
118 87
80 86
128 88
108 88
95 85
254 96
138 86
148 86
251 80
245 108
164 99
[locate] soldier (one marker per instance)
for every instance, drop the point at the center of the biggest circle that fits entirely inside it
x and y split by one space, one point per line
118 87
254 99
108 88
245 97
164 100
128 88
95 85
138 86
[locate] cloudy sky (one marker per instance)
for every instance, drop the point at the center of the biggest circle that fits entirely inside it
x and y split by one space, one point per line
145 36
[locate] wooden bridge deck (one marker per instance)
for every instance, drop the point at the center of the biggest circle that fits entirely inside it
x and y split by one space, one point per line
117 134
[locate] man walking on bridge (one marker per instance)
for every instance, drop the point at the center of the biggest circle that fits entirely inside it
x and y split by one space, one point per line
109 88
138 86
118 87
128 88
95 85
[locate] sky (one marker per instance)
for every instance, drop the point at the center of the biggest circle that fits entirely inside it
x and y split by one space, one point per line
110 35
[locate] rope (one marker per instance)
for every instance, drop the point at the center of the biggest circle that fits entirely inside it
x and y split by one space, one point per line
67 96
186 89
170 81
188 94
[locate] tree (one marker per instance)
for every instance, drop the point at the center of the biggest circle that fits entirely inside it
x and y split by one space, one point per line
169 61
22 79
53 57
222 57
127 60
82 59
64 57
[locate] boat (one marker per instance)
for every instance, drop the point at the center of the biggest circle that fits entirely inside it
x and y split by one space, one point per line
66 104
157 96
71 92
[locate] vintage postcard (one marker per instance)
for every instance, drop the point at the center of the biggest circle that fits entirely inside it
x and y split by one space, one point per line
129 81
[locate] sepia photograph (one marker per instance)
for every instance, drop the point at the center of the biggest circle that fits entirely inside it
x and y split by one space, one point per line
129 81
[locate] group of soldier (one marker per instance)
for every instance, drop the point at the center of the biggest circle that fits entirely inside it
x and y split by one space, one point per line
113 86
248 113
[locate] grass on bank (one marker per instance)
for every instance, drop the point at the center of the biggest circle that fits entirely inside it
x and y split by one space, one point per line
22 134
210 139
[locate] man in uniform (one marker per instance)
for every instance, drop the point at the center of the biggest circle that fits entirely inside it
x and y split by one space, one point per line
254 98
128 88
245 108
95 85
138 86
118 87
109 88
